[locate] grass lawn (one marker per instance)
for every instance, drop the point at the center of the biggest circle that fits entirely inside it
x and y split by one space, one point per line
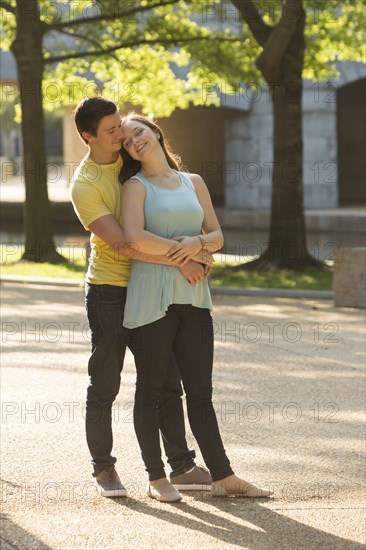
11 265
310 279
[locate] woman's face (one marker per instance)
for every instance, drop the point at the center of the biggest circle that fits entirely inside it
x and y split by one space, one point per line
139 140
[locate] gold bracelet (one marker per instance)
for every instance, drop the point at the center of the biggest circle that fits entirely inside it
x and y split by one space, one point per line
203 242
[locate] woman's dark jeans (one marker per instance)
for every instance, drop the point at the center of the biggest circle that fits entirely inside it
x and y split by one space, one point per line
105 308
187 332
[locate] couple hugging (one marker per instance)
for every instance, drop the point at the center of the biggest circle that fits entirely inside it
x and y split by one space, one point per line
153 231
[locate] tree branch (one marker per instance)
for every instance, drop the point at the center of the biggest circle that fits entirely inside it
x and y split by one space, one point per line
110 17
81 36
138 42
8 7
251 15
269 61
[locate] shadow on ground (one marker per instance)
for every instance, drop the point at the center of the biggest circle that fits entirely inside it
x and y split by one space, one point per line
265 529
14 537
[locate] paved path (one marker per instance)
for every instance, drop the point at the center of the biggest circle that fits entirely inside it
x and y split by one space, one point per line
289 394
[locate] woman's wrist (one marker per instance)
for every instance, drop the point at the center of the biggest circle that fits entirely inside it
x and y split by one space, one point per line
202 241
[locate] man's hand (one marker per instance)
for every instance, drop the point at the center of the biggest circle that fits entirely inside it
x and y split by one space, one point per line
207 269
204 257
193 271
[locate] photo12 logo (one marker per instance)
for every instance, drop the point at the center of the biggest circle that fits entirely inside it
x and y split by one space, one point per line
271 332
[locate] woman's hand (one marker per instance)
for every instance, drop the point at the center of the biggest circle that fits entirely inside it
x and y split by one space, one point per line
186 248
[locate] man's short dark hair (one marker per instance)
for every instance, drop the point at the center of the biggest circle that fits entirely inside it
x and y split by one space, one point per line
89 112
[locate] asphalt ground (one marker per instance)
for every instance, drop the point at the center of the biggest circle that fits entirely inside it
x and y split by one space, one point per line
289 394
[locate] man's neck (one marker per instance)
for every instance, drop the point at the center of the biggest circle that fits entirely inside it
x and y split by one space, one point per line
103 158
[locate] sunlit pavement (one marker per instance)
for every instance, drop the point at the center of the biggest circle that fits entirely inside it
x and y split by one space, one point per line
289 386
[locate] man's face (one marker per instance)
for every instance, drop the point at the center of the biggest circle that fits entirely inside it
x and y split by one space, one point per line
109 134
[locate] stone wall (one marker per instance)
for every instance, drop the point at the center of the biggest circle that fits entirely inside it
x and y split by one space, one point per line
249 147
320 145
249 151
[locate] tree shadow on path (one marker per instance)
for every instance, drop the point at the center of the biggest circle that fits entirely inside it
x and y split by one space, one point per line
265 529
14 537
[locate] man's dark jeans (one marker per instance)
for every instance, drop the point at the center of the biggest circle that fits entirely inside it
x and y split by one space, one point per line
105 308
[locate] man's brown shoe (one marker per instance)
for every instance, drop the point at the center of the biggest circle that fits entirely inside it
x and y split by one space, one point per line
109 483
196 479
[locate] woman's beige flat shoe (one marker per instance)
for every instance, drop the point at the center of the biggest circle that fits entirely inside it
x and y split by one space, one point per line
163 491
249 490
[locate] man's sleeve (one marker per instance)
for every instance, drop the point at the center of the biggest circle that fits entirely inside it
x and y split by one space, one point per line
87 202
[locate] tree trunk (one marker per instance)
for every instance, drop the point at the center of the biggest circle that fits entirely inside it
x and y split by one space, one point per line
27 49
287 237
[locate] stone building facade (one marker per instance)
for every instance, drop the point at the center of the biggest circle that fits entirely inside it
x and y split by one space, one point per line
232 146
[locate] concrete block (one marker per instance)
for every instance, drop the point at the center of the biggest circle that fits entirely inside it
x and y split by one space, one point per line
265 151
317 148
267 175
241 196
265 196
241 150
237 173
322 124
320 173
262 126
349 278
237 127
318 196
262 101
251 172
320 96
333 148
232 174
349 229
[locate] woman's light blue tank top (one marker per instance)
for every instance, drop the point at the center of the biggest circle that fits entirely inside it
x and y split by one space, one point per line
153 288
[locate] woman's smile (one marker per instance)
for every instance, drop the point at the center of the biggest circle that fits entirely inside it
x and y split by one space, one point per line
140 147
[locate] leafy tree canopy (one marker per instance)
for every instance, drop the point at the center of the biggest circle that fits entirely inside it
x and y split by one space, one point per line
142 51
164 54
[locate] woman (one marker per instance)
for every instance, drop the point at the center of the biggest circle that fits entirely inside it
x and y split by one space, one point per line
166 211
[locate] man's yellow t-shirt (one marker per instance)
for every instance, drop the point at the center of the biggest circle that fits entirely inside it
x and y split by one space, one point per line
95 192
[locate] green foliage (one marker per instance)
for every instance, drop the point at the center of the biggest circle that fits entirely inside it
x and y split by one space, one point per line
155 66
335 33
147 79
7 27
157 75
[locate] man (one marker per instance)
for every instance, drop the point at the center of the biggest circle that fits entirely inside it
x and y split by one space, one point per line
96 197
